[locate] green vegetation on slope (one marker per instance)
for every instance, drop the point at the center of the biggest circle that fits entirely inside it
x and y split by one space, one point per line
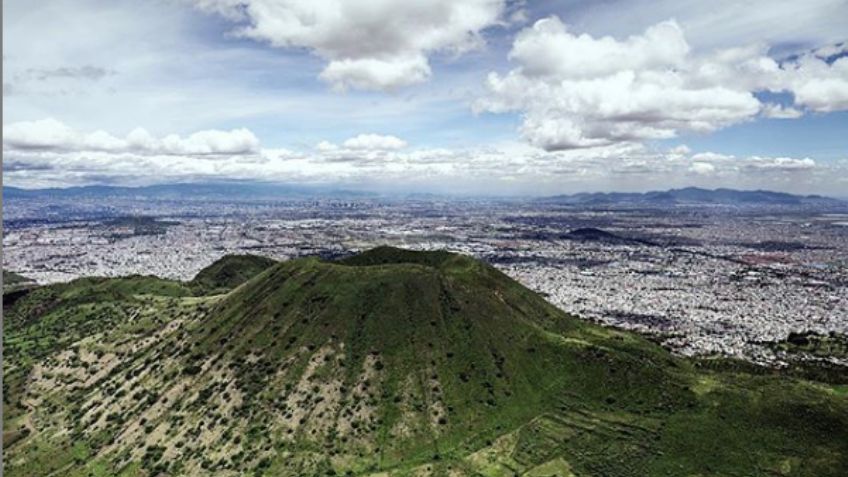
47 320
229 272
393 362
814 345
15 286
12 278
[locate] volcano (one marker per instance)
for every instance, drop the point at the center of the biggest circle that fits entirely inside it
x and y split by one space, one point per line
390 362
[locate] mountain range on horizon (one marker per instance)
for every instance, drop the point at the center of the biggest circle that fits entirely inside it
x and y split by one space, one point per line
232 190
691 195
257 190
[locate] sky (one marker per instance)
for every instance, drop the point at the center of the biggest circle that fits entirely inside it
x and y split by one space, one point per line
492 97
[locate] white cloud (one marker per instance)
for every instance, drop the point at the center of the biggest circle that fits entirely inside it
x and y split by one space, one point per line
577 91
778 111
681 150
548 49
779 163
712 157
376 74
171 69
755 166
51 134
374 141
378 45
100 141
236 141
501 168
720 23
818 79
326 146
824 94
703 168
44 133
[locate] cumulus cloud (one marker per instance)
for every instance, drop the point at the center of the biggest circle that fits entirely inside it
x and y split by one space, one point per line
236 141
779 111
51 153
779 163
373 45
548 49
679 151
824 94
710 162
374 141
703 168
51 134
365 151
578 91
376 74
496 169
712 157
42 134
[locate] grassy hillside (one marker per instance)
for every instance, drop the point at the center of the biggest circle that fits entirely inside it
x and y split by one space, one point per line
12 278
228 272
386 363
814 345
15 286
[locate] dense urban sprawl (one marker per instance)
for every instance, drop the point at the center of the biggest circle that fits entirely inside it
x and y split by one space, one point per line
719 280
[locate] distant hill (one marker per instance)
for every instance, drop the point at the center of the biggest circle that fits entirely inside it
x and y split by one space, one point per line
388 363
15 286
228 272
591 234
220 190
692 195
269 191
11 278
